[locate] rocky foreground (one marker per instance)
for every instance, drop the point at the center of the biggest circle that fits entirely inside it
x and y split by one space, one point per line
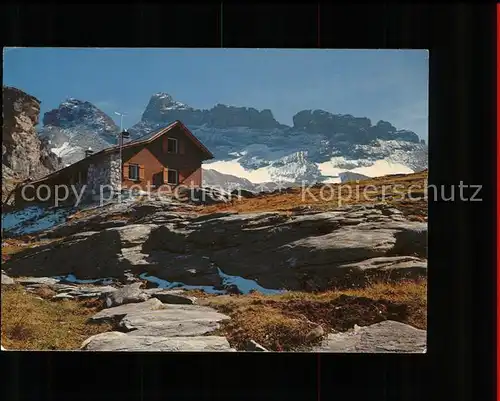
170 320
304 250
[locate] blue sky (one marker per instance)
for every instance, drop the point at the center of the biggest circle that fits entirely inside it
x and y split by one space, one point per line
387 85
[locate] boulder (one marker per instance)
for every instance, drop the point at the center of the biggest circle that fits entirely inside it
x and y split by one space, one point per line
390 267
174 320
119 312
315 334
131 293
386 336
116 341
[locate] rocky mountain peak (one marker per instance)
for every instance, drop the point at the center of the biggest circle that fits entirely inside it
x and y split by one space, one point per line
163 109
73 112
347 128
77 125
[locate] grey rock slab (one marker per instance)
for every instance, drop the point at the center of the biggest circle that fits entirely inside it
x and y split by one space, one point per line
134 256
384 337
131 293
388 263
85 257
37 280
63 296
171 313
342 245
174 328
6 280
90 292
123 310
64 287
133 234
116 341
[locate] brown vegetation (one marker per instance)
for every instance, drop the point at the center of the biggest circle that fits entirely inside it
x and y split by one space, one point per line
392 188
283 322
30 322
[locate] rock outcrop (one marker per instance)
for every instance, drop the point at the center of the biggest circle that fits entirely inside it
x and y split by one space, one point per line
24 154
342 248
156 326
386 337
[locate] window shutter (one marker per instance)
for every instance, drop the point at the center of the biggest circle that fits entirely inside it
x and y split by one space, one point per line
141 171
181 146
165 144
125 170
165 175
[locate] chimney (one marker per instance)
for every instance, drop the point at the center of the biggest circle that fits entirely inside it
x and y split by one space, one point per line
88 152
125 135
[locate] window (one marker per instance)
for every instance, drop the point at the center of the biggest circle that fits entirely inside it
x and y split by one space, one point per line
171 145
133 171
173 176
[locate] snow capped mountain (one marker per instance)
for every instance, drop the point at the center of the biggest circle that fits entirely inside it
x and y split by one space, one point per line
76 126
250 145
227 181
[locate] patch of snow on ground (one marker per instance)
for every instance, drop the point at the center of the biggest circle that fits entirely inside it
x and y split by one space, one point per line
33 219
245 285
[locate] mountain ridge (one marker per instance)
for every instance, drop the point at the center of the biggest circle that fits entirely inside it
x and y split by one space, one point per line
252 143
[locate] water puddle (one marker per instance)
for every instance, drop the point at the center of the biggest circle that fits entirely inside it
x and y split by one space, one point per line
175 284
243 285
71 278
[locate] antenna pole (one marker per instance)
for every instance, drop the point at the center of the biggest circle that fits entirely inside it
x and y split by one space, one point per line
121 161
120 144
